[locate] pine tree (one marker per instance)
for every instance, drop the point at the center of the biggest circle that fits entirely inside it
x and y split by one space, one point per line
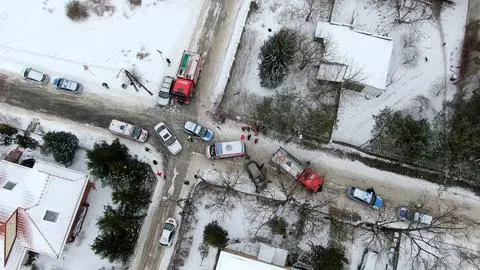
118 235
401 135
105 158
62 145
215 235
276 54
330 258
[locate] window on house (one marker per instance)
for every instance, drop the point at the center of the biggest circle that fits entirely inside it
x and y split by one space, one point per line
9 185
51 216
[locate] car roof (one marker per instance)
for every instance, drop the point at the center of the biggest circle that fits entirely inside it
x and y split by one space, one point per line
189 125
120 126
362 195
423 218
34 74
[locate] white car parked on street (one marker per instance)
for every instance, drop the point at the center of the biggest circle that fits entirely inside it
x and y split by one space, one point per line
168 138
168 232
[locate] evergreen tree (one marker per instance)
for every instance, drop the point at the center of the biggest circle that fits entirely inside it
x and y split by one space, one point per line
118 235
62 145
132 199
105 158
330 258
276 54
215 235
398 134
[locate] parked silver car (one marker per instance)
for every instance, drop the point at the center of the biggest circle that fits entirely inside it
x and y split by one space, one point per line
164 94
34 75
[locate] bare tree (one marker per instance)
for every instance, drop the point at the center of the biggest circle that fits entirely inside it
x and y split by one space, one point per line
410 56
425 244
312 5
224 192
308 51
412 11
409 39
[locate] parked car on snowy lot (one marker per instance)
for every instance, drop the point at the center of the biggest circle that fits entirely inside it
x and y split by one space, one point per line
367 197
256 175
168 232
226 149
168 138
35 76
128 131
406 214
196 130
67 85
164 94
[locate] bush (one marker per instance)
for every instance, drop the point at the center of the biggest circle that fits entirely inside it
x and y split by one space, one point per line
215 235
7 130
135 2
276 54
330 258
27 142
62 145
278 225
77 11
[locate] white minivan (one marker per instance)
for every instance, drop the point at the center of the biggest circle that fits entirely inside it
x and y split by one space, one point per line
128 131
226 149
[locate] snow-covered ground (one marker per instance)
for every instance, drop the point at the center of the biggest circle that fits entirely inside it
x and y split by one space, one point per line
39 34
439 44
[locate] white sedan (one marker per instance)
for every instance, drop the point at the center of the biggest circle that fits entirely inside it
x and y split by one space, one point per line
168 232
168 138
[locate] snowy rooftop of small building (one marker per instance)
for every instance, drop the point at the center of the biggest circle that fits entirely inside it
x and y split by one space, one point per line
230 261
34 191
365 54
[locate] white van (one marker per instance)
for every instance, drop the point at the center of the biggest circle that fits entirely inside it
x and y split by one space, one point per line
226 149
128 131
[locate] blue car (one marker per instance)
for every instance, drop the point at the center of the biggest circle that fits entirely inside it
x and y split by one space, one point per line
365 197
67 85
196 130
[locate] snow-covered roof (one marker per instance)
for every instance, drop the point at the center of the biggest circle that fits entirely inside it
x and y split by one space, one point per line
272 255
45 187
366 55
230 261
332 72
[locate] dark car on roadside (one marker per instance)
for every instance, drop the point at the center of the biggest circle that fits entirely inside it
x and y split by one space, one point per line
256 175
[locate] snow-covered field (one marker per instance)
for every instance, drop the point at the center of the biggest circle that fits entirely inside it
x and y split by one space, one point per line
39 34
439 44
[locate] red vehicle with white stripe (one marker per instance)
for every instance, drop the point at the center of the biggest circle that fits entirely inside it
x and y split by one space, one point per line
297 170
187 77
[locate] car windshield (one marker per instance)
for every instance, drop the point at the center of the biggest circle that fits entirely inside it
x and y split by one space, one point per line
212 150
163 94
201 131
373 198
168 227
136 132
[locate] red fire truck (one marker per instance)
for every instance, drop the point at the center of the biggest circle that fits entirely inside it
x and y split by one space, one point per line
297 170
187 76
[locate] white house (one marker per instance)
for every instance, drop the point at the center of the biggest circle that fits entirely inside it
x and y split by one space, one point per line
269 258
359 59
38 209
